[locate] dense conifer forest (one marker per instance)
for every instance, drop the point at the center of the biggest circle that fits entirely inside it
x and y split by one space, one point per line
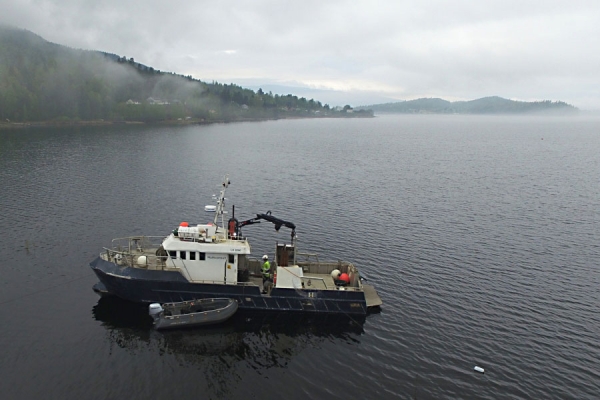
47 82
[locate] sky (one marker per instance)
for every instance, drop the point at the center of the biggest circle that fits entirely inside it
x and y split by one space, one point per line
345 52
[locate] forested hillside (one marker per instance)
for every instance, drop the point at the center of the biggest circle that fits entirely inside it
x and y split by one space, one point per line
486 105
43 81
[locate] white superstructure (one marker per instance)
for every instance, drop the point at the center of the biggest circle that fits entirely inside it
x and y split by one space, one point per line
207 252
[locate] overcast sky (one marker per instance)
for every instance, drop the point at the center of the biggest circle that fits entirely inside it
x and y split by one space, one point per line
345 52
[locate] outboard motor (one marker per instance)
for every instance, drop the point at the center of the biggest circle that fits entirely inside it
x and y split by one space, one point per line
154 310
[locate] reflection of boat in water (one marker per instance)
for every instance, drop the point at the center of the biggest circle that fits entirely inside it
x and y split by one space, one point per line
208 260
192 313
218 361
115 313
256 340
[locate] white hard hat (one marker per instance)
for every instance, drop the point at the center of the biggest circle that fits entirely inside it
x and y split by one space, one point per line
265 257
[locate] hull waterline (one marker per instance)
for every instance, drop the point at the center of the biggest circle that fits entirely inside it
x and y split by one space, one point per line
145 286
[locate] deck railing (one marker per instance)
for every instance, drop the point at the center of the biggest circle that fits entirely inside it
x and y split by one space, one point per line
128 250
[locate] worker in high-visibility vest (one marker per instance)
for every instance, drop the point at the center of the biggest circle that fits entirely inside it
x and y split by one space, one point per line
266 274
266 268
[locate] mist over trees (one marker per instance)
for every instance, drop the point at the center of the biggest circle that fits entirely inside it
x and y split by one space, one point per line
43 81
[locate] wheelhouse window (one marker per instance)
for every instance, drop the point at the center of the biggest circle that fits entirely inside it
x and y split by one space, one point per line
182 255
231 258
202 256
173 254
192 255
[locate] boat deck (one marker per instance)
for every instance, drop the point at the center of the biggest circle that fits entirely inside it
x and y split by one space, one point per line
131 258
318 281
310 280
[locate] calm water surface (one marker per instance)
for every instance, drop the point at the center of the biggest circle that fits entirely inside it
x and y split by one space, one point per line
481 235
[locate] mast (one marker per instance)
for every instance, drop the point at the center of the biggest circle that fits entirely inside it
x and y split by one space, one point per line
221 202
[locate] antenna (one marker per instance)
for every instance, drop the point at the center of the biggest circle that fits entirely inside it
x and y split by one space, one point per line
221 201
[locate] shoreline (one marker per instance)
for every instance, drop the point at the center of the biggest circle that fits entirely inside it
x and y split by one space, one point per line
57 124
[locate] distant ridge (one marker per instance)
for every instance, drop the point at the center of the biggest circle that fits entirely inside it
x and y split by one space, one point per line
485 105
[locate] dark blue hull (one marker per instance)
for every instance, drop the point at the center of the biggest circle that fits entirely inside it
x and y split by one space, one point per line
151 286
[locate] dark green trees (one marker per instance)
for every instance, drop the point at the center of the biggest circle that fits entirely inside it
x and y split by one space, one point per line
42 81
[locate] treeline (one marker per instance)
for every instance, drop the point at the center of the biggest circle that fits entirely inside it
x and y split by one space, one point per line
486 105
43 81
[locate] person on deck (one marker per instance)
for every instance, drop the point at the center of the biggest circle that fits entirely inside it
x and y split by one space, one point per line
266 274
266 269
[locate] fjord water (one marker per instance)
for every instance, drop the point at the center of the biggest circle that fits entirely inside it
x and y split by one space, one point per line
481 235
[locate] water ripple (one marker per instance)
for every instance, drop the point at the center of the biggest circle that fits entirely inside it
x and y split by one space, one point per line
482 241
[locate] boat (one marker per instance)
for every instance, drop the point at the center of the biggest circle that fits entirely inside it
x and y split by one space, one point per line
213 260
210 208
192 313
